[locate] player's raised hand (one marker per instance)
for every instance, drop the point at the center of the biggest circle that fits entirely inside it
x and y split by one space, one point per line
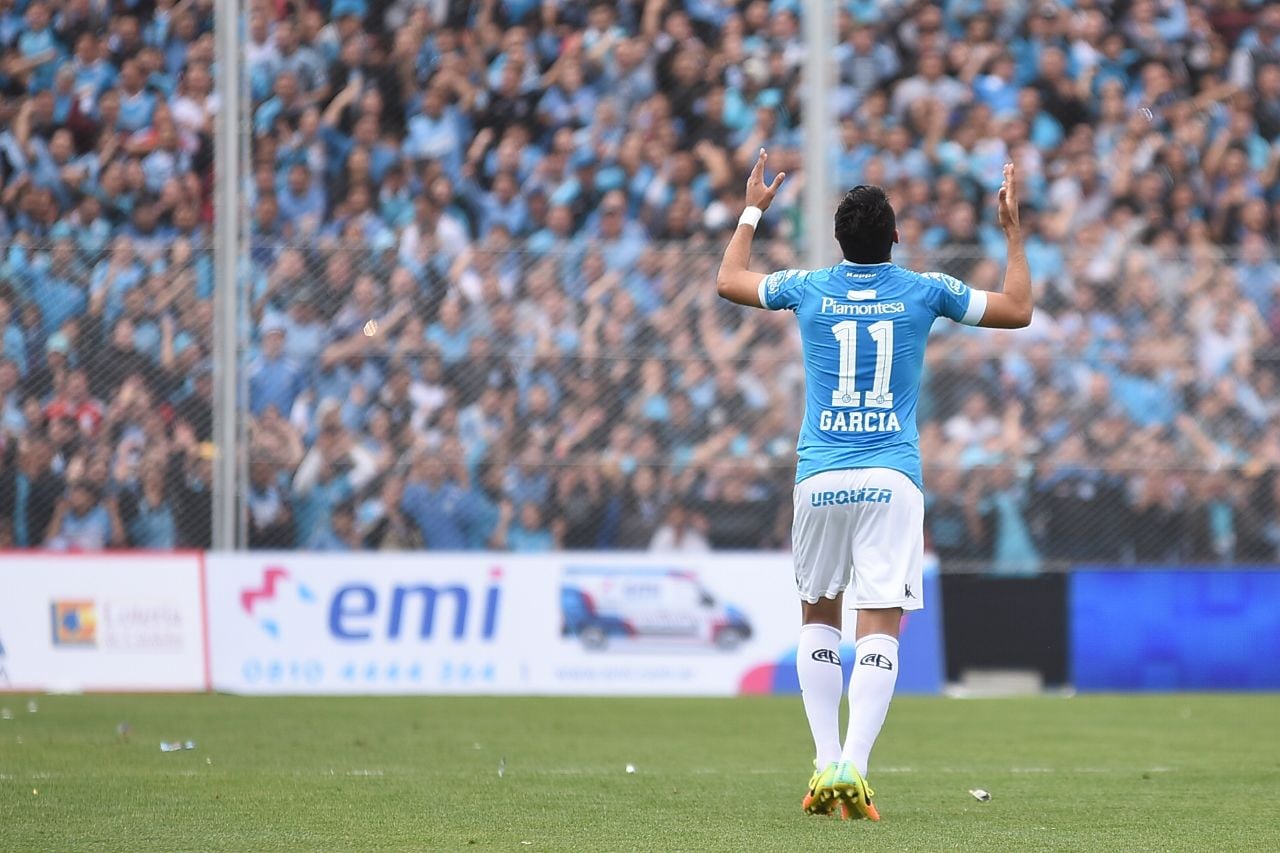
760 194
1007 209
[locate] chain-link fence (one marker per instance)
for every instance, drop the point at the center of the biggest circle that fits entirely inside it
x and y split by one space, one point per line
105 390
508 398
406 396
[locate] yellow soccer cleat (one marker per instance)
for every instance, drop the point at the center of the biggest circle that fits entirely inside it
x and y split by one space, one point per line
852 794
820 799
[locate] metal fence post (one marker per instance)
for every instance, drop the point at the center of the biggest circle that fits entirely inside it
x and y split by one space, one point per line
226 416
819 38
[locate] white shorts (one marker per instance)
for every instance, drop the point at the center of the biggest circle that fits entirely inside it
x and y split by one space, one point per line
864 525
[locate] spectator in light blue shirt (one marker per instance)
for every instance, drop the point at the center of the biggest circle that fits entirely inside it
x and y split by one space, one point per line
620 240
500 206
285 102
167 161
150 522
1014 549
301 200
340 534
296 58
865 63
530 532
59 298
1257 272
527 481
81 522
11 24
448 334
900 159
273 381
997 88
305 331
13 341
93 74
851 154
117 274
569 102
436 133
315 508
38 42
12 421
1044 130
450 516
137 104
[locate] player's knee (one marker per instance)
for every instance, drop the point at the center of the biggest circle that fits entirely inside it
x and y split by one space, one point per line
886 620
824 611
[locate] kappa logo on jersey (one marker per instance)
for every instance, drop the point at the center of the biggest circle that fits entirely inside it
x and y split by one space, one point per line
826 656
877 660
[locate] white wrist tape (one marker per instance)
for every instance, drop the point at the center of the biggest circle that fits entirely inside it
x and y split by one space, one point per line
751 216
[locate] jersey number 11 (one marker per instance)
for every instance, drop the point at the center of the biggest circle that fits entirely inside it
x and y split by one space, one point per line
846 395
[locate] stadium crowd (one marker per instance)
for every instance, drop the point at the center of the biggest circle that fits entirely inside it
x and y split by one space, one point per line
482 238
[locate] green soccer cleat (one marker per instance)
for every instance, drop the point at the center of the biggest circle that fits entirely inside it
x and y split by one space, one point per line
820 799
852 793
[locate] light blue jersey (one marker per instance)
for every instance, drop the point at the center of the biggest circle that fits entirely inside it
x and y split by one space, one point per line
864 328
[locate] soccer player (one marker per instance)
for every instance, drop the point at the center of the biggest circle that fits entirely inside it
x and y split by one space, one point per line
859 509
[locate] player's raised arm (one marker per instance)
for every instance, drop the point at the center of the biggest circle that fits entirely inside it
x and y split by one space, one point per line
734 281
1012 308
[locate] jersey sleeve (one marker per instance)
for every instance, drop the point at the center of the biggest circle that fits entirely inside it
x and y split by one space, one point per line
951 298
782 289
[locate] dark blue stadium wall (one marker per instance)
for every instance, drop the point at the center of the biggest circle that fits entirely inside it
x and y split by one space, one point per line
1175 629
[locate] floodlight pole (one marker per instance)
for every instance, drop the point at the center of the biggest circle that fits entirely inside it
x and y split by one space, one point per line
226 232
819 43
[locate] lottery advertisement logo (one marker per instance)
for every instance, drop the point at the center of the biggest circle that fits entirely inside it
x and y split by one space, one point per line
74 623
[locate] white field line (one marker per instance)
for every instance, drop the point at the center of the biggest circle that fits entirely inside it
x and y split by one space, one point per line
875 771
39 776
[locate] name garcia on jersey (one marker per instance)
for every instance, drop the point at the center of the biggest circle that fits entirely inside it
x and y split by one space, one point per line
858 421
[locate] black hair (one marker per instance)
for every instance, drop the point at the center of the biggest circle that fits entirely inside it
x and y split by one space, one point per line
865 225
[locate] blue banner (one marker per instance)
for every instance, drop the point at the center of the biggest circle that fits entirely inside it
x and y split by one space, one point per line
1190 629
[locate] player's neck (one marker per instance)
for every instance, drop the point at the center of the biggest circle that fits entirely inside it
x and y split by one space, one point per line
862 264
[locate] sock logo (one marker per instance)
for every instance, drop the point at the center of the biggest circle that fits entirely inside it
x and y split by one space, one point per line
877 660
826 656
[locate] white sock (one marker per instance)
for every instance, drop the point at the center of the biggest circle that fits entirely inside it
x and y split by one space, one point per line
875 672
821 687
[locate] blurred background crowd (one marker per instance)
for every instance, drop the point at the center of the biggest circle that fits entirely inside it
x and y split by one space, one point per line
482 241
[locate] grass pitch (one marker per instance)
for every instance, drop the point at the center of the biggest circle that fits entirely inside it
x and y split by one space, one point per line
1094 773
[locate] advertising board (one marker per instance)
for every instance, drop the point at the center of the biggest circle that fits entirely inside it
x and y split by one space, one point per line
595 624
109 622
